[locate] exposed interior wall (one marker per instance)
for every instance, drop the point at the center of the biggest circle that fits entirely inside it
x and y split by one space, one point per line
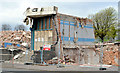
93 56
42 38
73 53
42 32
76 32
82 56
42 23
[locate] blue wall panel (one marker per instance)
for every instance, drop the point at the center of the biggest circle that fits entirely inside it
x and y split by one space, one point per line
79 39
85 34
5 44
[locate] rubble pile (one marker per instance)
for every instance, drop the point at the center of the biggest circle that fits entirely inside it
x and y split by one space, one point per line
110 54
53 61
66 60
19 38
9 38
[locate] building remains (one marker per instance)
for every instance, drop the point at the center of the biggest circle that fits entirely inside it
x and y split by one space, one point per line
65 34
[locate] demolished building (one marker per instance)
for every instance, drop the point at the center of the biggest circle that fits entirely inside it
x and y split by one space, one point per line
62 34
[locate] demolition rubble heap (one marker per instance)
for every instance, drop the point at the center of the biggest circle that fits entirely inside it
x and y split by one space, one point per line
110 54
16 38
110 51
66 60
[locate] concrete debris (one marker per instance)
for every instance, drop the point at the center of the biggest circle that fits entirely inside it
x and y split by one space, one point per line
16 56
67 61
22 57
55 58
22 40
9 54
53 61
110 54
25 44
16 39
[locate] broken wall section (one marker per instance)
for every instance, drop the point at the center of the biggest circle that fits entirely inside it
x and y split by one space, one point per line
82 55
91 55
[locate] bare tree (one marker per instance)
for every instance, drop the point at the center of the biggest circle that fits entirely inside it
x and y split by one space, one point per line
6 27
20 27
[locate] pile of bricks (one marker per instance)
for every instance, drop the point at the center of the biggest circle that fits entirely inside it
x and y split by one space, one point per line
15 37
66 60
110 54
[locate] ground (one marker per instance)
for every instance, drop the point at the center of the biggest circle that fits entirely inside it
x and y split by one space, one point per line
22 67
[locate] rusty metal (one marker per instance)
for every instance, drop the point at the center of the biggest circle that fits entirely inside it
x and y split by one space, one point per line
61 48
63 31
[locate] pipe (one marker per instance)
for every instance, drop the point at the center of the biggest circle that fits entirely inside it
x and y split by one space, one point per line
56 33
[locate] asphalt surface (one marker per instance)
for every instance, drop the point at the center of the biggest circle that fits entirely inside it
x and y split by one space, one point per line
22 67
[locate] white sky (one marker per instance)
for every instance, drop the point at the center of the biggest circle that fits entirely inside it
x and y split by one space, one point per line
11 11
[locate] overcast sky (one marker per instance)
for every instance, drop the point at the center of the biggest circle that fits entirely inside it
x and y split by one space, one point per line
11 11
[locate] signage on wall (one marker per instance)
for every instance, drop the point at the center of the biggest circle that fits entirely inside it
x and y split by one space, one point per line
47 47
